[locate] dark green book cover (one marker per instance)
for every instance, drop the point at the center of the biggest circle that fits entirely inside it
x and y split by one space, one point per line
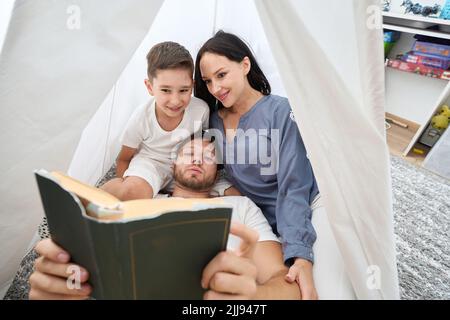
151 258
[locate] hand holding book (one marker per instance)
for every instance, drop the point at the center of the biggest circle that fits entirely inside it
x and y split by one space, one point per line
50 279
139 249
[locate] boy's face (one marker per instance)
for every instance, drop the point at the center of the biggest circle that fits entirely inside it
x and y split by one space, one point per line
172 89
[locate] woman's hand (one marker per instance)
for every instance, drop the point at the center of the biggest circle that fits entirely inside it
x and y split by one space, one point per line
52 270
232 275
301 272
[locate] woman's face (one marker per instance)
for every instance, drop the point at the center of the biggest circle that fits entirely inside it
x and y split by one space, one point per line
225 79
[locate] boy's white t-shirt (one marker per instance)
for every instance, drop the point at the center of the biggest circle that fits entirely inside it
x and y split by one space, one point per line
144 133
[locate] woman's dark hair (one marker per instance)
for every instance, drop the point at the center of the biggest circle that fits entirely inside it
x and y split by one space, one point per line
232 47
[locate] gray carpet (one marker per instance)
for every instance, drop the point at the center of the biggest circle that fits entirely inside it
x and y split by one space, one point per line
422 220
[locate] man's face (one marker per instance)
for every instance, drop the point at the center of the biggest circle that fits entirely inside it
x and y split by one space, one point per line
196 167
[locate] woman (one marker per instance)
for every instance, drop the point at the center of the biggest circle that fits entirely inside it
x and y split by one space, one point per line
229 79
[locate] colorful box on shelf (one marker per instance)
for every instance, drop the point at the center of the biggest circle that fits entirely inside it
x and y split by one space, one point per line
445 13
391 36
429 48
427 60
419 69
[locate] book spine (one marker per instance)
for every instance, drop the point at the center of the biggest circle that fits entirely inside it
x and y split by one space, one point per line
434 62
419 69
431 49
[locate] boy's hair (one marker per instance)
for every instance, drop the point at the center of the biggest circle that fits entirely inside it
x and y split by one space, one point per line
168 55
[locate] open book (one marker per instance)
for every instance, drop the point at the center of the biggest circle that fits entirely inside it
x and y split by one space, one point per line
139 249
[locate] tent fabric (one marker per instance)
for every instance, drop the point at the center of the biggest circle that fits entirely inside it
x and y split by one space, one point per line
371 76
84 84
52 80
5 16
101 136
348 153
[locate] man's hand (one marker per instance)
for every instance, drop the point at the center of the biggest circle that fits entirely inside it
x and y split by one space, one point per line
232 275
49 280
301 272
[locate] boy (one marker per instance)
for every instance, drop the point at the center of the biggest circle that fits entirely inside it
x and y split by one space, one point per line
157 127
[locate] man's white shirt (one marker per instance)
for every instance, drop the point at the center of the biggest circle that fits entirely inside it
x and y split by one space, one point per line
246 212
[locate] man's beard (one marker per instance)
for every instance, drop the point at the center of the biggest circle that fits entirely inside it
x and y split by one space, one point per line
193 184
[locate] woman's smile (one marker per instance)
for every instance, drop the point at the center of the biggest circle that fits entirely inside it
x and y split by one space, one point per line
223 96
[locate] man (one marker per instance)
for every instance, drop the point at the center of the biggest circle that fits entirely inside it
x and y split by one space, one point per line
252 270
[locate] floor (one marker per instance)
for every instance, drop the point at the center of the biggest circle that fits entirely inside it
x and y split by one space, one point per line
399 137
420 220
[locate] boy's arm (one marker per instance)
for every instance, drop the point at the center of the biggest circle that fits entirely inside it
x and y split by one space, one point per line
123 160
232 191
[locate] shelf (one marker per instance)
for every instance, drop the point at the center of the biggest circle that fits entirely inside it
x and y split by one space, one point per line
399 137
443 98
418 158
412 97
420 75
411 17
424 32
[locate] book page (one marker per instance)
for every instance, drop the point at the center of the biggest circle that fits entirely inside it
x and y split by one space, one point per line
104 206
85 191
147 207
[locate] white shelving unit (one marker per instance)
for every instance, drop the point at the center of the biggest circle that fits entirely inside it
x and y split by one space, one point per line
438 159
442 99
415 18
416 24
436 34
410 96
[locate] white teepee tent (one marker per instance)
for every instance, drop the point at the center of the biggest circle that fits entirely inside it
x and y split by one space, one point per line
74 69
